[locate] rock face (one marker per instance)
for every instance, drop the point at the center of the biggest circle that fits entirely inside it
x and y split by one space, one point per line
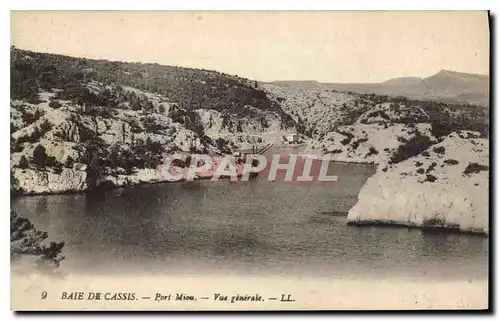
121 119
368 143
31 181
60 146
117 136
317 111
445 186
376 135
241 131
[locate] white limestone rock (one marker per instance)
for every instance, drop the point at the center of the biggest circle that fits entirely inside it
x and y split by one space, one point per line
445 186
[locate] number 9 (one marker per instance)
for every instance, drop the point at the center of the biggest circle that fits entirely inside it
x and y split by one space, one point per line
44 295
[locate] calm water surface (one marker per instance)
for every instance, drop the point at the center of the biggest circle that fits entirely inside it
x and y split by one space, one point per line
256 227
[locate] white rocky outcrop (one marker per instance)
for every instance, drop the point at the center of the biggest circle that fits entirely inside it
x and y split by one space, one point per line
445 186
368 143
316 109
31 181
241 131
140 176
64 131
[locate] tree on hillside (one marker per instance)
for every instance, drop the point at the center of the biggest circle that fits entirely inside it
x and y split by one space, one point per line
23 162
39 158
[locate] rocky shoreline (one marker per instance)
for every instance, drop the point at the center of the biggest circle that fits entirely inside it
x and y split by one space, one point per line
446 187
28 188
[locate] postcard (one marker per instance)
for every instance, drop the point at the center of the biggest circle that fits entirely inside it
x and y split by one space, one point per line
249 160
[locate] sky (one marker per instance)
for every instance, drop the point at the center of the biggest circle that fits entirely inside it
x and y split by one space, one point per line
327 46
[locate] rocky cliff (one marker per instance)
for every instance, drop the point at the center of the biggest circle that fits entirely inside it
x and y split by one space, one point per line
430 174
445 186
378 135
77 124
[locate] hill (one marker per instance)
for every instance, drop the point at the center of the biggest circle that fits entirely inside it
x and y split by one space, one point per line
445 86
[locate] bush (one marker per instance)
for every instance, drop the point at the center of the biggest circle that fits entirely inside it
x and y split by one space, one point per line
69 162
431 167
450 161
377 113
16 145
413 147
430 178
355 144
63 135
135 128
55 104
439 150
37 133
29 118
348 139
222 145
41 160
151 126
13 128
420 170
23 162
436 221
58 167
441 128
35 136
144 154
372 151
474 168
45 127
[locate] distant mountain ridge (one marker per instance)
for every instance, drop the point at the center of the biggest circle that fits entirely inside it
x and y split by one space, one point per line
445 86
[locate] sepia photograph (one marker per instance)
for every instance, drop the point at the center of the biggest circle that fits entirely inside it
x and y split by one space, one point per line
249 160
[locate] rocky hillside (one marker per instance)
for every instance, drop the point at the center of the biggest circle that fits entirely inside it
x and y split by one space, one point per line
445 86
445 186
433 161
319 111
77 124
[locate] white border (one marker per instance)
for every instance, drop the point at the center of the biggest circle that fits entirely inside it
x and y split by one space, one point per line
197 5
